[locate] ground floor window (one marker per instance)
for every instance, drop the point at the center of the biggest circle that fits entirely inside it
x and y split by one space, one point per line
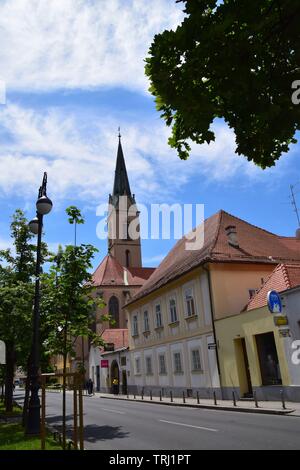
268 359
177 363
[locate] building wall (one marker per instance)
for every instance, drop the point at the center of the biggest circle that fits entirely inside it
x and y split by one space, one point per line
180 336
105 372
231 283
291 307
247 325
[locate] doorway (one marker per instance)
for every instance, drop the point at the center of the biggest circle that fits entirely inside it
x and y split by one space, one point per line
243 368
124 382
114 374
98 378
268 359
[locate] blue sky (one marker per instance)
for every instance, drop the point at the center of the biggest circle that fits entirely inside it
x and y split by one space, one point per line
74 72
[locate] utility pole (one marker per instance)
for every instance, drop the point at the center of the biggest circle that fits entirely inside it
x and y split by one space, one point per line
294 204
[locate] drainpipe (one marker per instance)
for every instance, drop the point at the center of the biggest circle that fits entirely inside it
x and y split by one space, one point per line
213 325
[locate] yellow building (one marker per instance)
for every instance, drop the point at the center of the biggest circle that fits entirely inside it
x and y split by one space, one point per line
173 317
255 354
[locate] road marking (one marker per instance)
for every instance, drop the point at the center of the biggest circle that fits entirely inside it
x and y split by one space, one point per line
189 425
113 411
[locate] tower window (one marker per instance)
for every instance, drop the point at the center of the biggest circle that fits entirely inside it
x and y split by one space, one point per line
127 258
113 310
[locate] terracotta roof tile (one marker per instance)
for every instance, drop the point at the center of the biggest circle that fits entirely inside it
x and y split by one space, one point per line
256 245
284 276
111 273
119 337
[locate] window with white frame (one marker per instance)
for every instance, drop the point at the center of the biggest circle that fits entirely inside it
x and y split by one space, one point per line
177 363
146 321
173 310
149 365
196 360
162 364
158 316
137 365
189 302
135 326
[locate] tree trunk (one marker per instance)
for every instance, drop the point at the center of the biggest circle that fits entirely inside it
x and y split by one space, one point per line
9 377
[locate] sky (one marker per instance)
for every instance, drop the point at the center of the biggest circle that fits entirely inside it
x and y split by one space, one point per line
74 73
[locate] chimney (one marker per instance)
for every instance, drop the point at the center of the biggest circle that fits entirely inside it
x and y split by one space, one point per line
298 233
232 235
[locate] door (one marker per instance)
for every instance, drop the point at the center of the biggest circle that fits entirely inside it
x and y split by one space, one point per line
247 369
98 378
268 359
242 364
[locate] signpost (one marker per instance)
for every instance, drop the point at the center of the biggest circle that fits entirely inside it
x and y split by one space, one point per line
274 302
212 346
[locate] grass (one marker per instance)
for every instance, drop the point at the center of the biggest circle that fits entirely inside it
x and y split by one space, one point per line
12 438
15 412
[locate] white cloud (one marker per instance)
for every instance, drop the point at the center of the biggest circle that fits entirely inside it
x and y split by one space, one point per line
79 154
80 43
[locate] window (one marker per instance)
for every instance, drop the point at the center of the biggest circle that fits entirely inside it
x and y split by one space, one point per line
252 293
189 301
137 365
173 311
149 365
127 258
162 364
135 328
146 321
196 362
177 363
113 310
123 361
158 316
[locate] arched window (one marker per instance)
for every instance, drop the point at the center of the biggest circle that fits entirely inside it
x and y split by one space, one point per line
127 258
113 310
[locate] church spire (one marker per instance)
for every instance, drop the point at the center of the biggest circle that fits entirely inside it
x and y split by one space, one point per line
121 182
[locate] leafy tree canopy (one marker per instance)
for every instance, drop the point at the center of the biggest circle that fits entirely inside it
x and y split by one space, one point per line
236 60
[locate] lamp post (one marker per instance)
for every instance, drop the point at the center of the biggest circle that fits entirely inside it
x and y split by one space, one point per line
43 207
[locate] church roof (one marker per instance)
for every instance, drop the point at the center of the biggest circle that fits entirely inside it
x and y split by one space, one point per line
121 182
255 245
284 276
116 336
111 273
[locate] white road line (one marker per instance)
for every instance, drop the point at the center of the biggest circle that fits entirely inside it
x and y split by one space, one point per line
189 425
113 411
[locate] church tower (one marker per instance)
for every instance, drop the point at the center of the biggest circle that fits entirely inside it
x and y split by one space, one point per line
124 242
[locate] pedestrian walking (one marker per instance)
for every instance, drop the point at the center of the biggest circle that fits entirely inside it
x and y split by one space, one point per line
115 386
90 387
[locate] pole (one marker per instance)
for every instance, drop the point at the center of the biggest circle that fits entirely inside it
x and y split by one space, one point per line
75 438
33 421
80 413
43 429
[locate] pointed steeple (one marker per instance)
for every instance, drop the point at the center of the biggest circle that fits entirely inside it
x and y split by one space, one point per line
121 183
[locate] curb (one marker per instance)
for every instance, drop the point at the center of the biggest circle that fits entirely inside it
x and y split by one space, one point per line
209 407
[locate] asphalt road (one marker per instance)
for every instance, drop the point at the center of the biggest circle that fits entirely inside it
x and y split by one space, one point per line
121 425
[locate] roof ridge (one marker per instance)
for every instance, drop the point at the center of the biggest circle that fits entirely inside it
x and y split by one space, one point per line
259 228
286 276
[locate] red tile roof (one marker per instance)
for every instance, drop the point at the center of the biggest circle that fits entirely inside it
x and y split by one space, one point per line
119 337
284 276
256 245
111 273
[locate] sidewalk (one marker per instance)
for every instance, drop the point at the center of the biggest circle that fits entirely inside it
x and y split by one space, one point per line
264 407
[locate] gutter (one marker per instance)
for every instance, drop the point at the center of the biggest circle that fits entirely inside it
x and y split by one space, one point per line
213 324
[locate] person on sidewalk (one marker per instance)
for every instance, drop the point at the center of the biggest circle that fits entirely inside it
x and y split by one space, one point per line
115 386
90 387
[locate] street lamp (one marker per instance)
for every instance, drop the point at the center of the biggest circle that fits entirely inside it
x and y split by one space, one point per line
43 207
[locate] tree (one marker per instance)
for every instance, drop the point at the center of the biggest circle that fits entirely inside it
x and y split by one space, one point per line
68 305
237 60
16 298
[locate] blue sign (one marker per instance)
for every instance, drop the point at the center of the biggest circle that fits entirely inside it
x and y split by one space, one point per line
274 302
